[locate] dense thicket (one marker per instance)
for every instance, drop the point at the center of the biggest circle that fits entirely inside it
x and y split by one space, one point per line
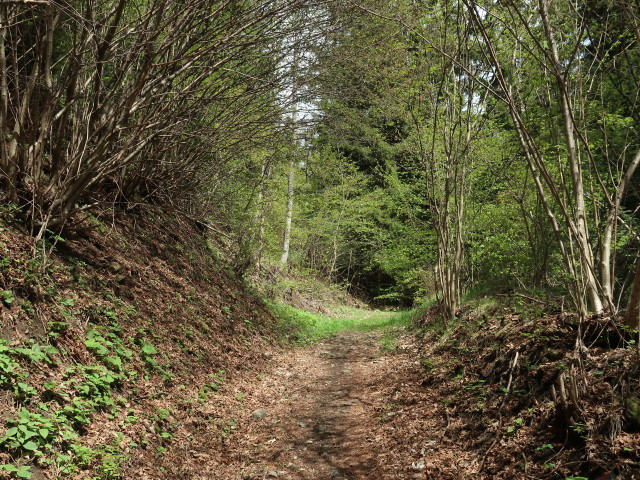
472 145
128 101
403 149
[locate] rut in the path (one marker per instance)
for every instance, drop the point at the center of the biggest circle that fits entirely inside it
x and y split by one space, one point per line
345 410
323 406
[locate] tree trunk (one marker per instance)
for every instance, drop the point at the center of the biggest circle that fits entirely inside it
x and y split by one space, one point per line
259 219
632 318
579 209
287 227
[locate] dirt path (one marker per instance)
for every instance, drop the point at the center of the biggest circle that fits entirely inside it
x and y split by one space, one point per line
329 411
347 409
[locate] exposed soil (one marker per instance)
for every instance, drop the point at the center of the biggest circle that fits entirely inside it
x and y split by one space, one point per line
329 413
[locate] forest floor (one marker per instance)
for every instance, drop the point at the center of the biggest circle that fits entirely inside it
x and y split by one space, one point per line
327 412
134 354
392 403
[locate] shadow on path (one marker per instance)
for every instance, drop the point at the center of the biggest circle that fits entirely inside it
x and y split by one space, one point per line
321 425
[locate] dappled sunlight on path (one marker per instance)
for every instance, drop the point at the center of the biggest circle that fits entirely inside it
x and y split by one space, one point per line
322 407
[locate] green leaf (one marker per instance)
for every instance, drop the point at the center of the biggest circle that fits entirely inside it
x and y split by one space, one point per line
92 344
11 432
115 361
7 297
31 446
44 433
23 472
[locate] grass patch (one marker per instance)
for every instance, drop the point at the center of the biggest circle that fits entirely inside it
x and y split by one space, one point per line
480 304
300 327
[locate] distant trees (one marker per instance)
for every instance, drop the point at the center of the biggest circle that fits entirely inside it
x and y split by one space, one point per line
523 114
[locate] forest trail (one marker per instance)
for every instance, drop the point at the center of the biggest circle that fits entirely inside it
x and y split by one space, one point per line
325 412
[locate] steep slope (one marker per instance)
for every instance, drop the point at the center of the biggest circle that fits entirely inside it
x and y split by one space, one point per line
523 393
112 340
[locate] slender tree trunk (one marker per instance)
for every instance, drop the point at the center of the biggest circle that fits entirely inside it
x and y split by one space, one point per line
289 217
610 226
579 209
294 121
4 101
259 219
632 319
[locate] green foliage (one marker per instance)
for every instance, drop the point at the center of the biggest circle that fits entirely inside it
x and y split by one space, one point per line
7 297
31 433
217 380
56 329
147 351
37 353
23 471
8 367
106 460
52 428
300 327
108 347
94 384
11 374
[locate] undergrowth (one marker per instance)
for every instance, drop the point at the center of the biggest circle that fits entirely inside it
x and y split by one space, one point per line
98 333
302 328
508 370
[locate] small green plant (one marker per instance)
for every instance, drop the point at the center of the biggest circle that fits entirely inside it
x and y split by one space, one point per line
517 423
56 329
162 414
37 353
10 373
67 302
581 429
217 380
546 446
427 364
476 385
23 471
147 351
108 347
85 389
31 432
7 297
131 418
106 459
9 368
24 392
